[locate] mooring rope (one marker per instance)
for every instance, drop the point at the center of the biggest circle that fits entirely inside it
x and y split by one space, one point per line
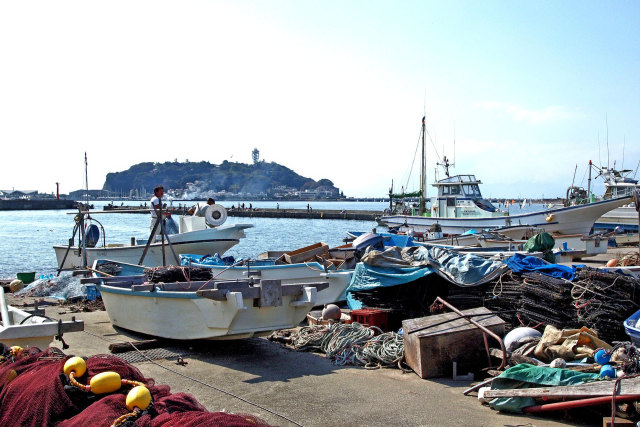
353 344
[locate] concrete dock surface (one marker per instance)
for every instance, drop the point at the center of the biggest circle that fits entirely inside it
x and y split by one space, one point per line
304 387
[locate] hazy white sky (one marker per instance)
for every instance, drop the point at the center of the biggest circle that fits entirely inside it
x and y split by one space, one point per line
331 89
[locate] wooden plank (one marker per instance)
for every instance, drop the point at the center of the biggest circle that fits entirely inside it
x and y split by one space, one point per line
233 284
599 388
214 294
296 288
143 288
221 294
185 286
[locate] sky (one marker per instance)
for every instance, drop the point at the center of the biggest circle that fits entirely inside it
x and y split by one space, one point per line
521 94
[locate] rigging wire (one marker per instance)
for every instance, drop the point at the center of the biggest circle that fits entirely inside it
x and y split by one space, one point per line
413 162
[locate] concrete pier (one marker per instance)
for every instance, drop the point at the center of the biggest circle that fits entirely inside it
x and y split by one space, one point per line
37 204
269 213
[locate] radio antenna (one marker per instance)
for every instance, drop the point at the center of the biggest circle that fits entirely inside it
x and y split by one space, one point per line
606 121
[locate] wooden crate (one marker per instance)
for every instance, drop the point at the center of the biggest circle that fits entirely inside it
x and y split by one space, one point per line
307 253
432 351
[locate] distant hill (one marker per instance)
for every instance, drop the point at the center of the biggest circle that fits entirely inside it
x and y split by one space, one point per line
260 177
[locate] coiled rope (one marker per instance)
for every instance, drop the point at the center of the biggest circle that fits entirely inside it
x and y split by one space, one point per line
353 344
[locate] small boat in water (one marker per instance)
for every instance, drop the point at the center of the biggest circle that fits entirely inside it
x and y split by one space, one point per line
212 309
193 236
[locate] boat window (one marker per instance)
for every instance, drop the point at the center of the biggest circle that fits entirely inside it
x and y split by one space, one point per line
445 190
471 190
451 201
455 189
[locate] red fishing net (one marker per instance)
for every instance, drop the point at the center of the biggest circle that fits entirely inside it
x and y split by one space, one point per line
35 392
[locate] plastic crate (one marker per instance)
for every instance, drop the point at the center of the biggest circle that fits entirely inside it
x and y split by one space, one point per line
631 329
371 317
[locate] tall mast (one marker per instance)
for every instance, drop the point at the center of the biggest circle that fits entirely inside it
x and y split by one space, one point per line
589 182
423 172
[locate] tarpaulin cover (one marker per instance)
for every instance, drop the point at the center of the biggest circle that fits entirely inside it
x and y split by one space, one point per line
525 375
205 260
396 266
40 395
519 263
541 242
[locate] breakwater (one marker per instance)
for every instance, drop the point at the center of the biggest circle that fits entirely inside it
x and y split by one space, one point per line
361 215
35 204
304 213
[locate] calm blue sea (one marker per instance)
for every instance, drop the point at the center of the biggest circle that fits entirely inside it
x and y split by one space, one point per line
27 237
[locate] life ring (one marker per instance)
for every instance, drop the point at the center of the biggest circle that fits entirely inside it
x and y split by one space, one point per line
215 215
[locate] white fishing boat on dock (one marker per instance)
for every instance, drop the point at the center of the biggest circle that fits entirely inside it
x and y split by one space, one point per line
210 309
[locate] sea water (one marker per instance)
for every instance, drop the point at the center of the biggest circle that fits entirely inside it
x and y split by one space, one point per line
27 237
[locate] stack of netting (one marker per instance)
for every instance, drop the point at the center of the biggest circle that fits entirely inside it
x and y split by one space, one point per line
177 274
353 344
545 300
503 297
406 301
603 301
595 299
35 392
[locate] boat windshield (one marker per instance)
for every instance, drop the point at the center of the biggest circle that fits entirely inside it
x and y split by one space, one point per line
450 190
472 190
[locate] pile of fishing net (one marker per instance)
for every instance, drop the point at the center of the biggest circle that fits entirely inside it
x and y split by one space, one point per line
61 287
353 344
34 391
177 274
596 299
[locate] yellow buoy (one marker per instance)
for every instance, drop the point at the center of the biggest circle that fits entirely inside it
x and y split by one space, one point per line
105 382
75 364
550 218
11 375
139 397
16 349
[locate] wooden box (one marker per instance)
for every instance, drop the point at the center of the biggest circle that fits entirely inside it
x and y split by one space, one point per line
307 253
431 352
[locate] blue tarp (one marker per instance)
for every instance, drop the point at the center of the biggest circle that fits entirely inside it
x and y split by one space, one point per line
519 263
397 266
216 260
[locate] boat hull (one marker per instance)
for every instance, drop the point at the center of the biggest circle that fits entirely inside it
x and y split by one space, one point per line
201 242
567 220
185 316
624 216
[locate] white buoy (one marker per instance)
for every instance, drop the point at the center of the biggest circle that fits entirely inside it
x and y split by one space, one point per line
331 312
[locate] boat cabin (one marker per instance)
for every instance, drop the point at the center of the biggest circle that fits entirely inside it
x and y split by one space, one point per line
618 183
459 197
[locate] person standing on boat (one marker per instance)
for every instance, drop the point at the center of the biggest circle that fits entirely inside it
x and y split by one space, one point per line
156 203
198 211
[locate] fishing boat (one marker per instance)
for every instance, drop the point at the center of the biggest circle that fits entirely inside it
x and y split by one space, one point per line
31 329
193 236
305 272
213 309
459 206
619 183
